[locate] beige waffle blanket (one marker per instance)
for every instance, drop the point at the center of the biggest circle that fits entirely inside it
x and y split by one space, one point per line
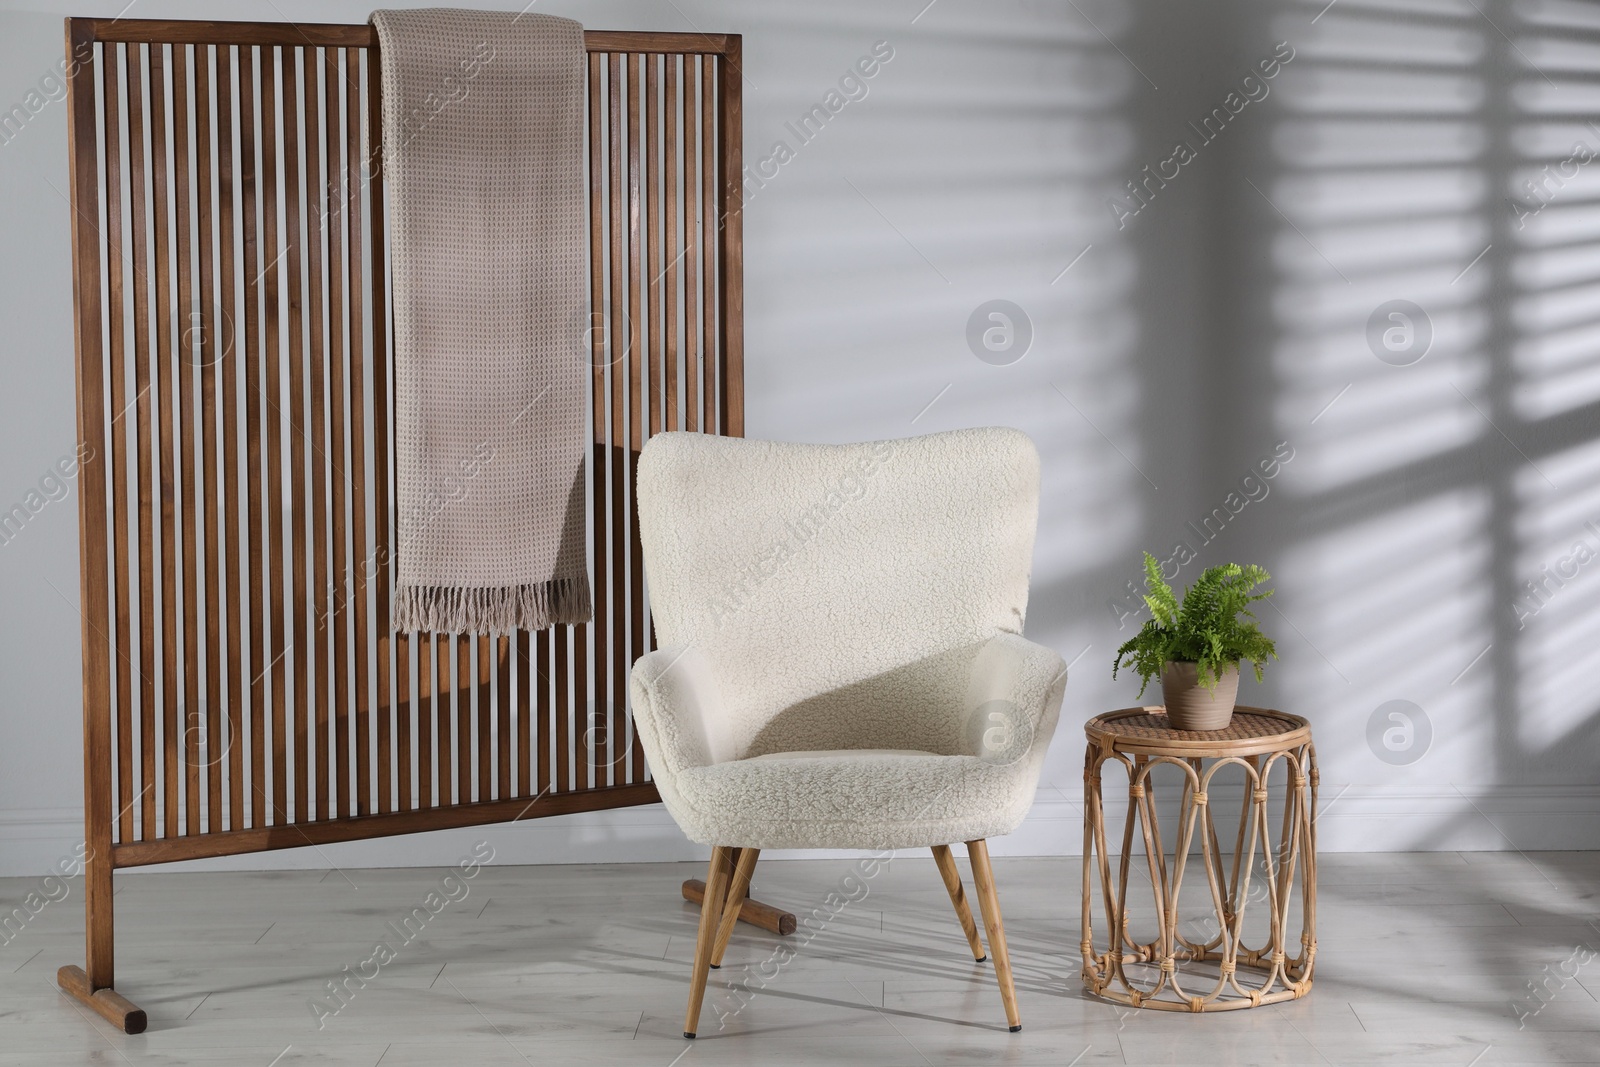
483 159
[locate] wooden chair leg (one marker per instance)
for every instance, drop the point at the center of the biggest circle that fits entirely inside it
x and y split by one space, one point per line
952 884
710 916
737 891
983 879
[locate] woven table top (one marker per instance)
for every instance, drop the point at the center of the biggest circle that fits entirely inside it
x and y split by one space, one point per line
1145 730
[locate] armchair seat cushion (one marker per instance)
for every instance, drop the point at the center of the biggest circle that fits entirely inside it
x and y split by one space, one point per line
852 798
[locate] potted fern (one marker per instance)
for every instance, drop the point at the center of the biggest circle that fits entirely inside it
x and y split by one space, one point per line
1196 646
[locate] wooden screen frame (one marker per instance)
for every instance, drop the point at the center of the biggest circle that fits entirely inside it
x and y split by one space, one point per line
719 242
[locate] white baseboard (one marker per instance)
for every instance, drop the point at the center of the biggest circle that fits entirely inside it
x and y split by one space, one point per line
1352 819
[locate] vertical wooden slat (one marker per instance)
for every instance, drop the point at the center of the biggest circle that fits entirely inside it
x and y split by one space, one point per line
708 220
444 660
383 517
206 730
469 695
425 719
604 341
138 219
183 366
602 347
483 697
669 154
503 720
652 178
298 643
693 363
528 702
338 701
118 459
163 376
355 171
383 712
465 690
570 703
568 645
272 303
624 218
251 781
483 674
405 729
324 463
638 355
231 357
540 700
730 210
619 334
561 710
95 586
450 680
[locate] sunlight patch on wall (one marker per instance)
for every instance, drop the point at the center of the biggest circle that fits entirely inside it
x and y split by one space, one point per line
1392 607
1379 196
1379 200
976 170
1553 607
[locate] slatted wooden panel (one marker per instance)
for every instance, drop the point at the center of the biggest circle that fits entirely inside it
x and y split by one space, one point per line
242 690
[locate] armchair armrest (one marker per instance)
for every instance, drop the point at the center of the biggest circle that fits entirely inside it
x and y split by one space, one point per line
677 709
1014 691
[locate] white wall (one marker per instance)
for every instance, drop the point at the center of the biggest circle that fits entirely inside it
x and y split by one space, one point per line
1170 358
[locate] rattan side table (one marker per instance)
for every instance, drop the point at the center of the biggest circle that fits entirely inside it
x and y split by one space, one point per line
1196 966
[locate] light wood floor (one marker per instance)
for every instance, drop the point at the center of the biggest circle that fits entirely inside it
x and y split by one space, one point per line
1422 960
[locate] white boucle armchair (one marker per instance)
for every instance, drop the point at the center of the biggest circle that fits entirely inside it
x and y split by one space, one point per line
842 663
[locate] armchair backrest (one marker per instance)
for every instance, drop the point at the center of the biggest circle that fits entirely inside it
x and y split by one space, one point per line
838 592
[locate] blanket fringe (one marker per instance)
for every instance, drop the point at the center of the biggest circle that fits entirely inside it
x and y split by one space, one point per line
498 609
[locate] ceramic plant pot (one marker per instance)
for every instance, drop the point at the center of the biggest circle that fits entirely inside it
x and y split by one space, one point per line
1190 705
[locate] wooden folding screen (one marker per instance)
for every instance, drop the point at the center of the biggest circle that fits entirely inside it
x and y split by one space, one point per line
242 690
